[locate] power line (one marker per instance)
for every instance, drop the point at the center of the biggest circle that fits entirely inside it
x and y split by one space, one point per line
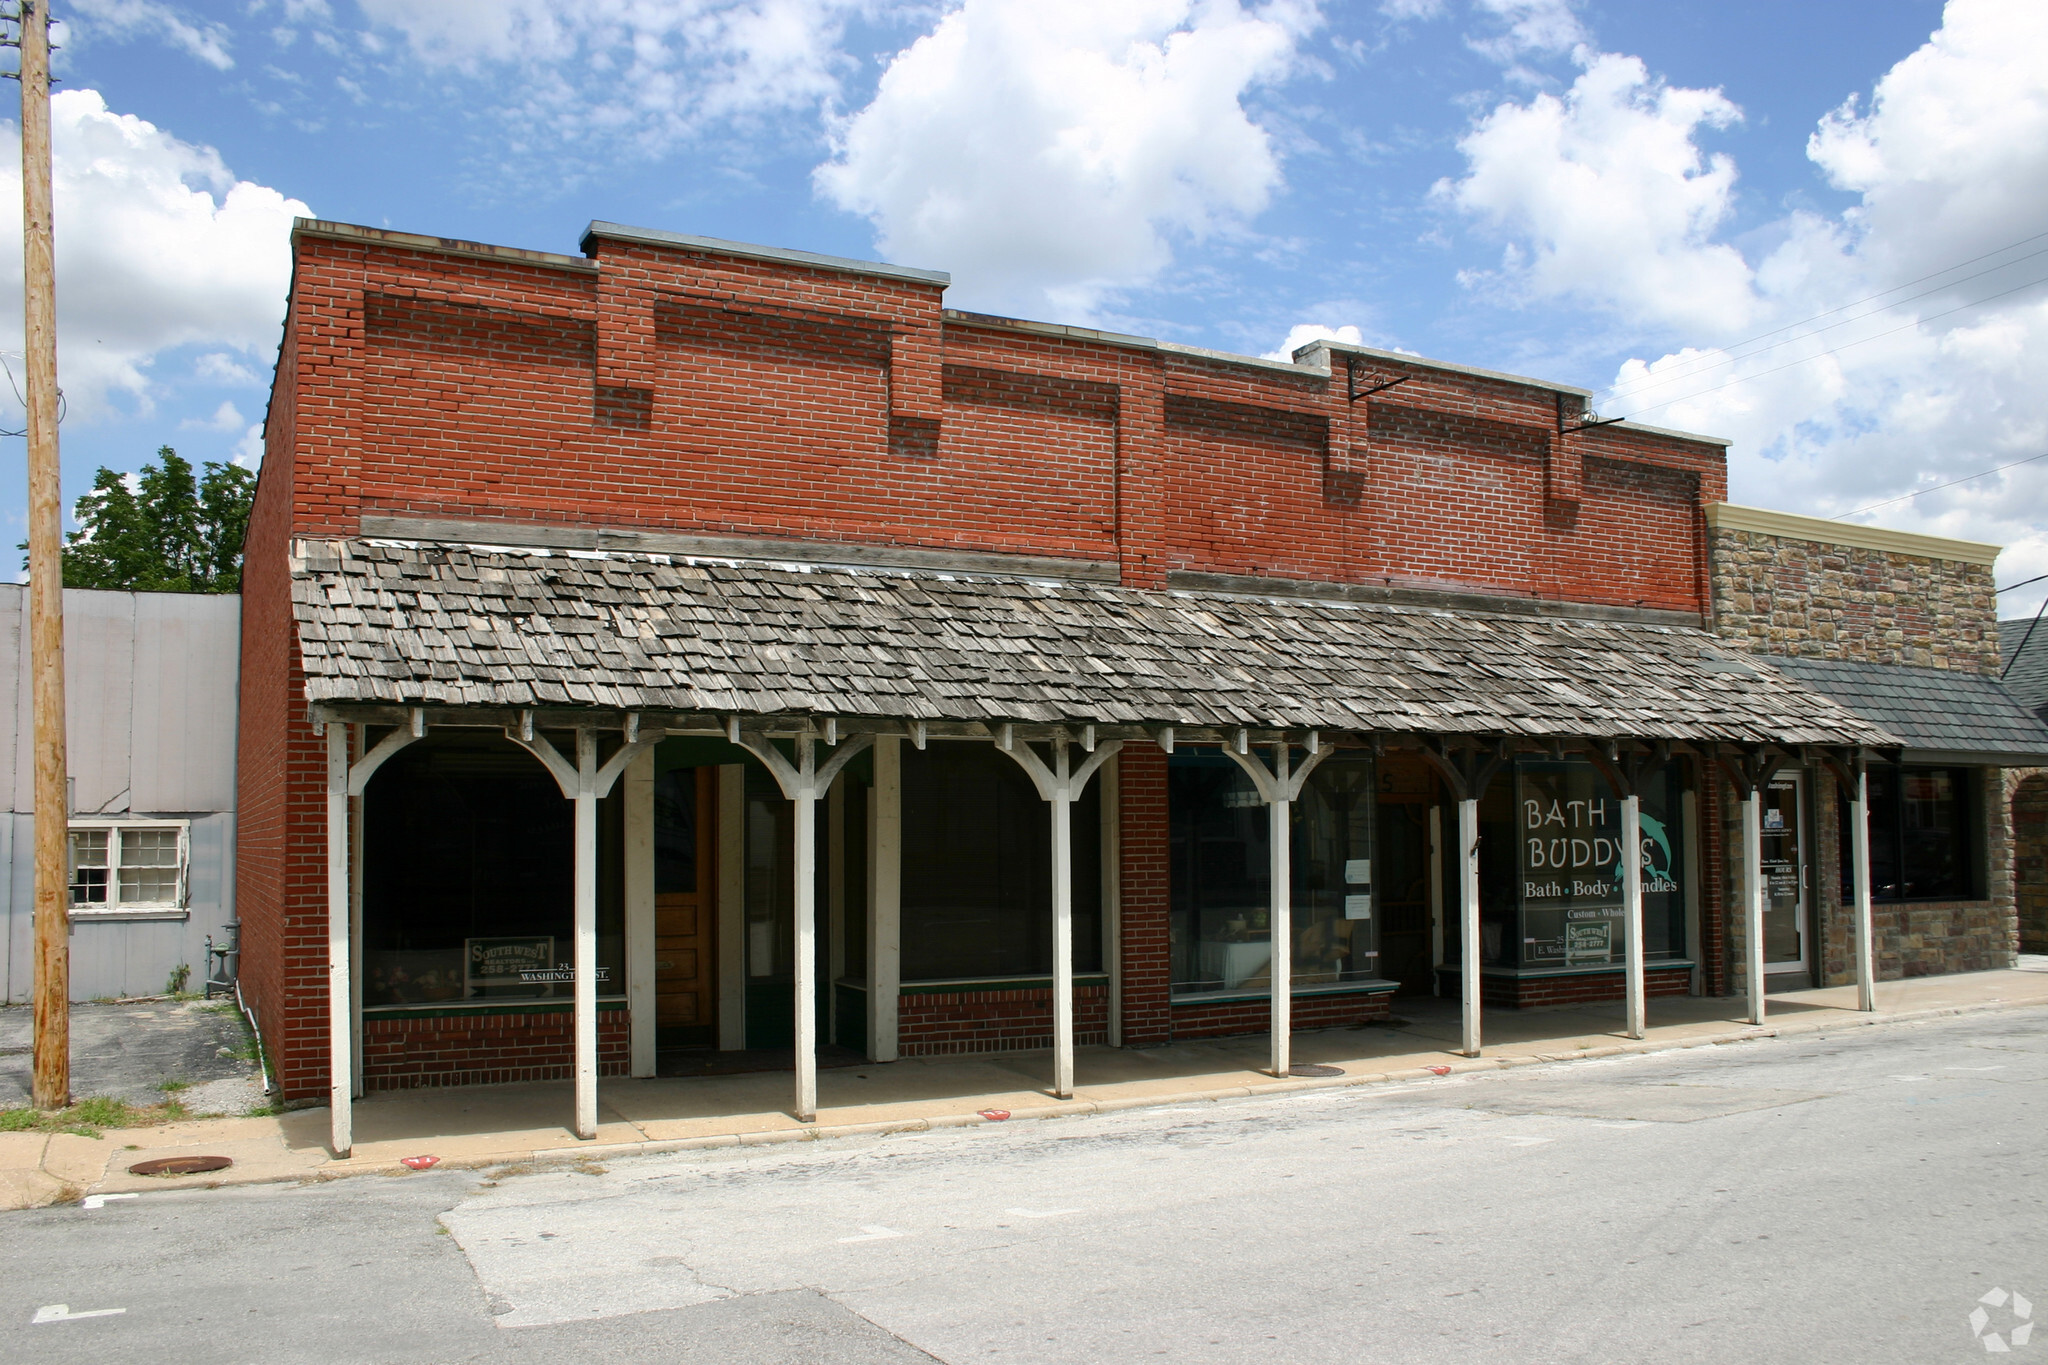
1907 497
1870 298
1734 354
2023 582
1833 350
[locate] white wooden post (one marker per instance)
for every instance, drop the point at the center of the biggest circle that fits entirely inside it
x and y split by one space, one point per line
640 927
1859 852
586 934
806 802
1060 784
1279 788
340 1046
585 783
1632 910
1112 896
1280 977
885 898
1468 919
355 922
803 782
346 779
1753 892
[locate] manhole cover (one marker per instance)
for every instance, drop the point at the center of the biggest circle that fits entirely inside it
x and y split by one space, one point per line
181 1165
1315 1070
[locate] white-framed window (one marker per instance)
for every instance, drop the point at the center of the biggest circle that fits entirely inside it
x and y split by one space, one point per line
129 866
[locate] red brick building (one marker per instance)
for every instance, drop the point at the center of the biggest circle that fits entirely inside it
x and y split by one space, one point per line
935 682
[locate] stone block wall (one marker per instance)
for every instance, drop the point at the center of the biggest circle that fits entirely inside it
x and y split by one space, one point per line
1816 598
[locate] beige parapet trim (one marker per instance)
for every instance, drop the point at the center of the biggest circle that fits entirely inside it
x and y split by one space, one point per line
1727 516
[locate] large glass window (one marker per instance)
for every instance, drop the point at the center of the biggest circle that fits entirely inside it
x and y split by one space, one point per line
977 868
1221 876
469 877
1550 865
1922 835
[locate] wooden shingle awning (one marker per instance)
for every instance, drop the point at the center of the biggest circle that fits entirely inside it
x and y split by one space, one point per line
385 624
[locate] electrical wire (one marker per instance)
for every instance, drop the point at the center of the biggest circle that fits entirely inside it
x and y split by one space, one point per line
2024 638
1730 355
2023 582
1832 350
1967 478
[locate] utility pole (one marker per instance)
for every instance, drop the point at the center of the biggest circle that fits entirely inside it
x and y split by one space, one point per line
52 1082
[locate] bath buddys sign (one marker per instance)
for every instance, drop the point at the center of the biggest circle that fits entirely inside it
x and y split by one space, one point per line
1571 847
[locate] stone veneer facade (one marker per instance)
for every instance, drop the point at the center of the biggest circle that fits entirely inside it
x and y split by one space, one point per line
1804 587
1824 590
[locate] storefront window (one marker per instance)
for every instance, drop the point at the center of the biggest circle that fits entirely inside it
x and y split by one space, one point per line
977 868
469 878
1922 838
1550 867
1221 876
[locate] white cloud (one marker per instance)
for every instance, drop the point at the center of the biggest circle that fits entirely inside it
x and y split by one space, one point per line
226 417
158 246
1839 405
248 451
126 19
645 73
1528 26
1302 333
221 368
1048 152
1605 197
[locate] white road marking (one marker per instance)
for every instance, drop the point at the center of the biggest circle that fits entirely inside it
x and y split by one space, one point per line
873 1233
61 1312
1974 1068
1049 1213
1524 1140
99 1201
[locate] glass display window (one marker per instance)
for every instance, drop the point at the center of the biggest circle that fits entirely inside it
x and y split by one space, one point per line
1924 842
1221 875
469 878
1550 864
976 889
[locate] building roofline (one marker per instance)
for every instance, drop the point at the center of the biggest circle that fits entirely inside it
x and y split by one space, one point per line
1727 516
718 246
1423 362
448 246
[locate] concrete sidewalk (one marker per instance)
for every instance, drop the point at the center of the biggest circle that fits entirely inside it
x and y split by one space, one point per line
520 1124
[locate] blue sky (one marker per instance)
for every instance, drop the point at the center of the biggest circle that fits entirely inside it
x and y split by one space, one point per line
1614 193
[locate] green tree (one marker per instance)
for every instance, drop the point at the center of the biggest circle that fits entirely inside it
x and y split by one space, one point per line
170 532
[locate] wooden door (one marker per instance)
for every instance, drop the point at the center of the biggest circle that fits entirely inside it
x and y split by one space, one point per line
686 908
1407 790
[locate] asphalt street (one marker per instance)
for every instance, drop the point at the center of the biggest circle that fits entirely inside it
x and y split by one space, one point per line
1850 1196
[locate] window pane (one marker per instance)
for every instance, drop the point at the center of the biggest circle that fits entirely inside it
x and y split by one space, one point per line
468 878
89 866
1920 837
149 866
977 868
1222 876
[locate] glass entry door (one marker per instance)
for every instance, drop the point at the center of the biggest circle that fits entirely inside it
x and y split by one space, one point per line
1785 878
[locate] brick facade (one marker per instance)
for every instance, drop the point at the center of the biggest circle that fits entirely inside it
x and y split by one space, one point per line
1223 1018
675 389
486 1049
932 1024
1563 990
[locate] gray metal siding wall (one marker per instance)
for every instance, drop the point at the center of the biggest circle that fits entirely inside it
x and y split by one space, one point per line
151 684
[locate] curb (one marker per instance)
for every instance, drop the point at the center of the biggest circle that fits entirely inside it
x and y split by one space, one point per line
596 1151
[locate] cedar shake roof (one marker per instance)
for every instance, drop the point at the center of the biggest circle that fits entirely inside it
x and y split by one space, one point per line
1935 711
405 623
